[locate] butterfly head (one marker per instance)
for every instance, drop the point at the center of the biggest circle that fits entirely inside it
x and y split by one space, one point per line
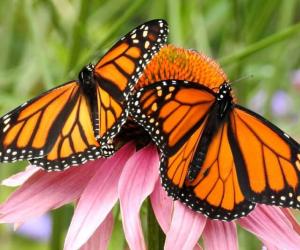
224 99
86 75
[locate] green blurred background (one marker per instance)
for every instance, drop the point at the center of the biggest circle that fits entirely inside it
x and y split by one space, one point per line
44 43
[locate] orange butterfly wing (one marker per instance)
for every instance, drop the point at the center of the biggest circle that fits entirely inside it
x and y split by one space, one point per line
29 130
175 114
216 190
52 130
268 157
119 70
171 114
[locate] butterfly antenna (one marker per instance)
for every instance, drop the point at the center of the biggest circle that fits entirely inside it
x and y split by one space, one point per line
240 79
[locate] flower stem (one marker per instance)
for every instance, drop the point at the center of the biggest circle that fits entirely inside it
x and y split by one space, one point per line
60 218
56 237
156 237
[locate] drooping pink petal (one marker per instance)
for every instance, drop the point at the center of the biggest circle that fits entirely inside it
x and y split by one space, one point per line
100 238
45 191
136 183
98 198
270 224
220 235
186 228
162 206
287 212
20 178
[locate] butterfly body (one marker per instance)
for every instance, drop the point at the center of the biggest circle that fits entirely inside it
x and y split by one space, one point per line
224 100
218 115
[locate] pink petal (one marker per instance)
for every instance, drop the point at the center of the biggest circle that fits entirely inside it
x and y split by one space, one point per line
287 212
185 229
162 206
220 235
100 238
44 191
272 226
20 178
136 183
98 198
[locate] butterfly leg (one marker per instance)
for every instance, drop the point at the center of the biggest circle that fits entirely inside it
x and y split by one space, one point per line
108 149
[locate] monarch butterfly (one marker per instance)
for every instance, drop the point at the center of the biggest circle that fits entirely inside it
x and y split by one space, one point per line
75 122
217 157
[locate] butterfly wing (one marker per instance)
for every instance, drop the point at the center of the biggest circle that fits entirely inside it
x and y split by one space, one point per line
119 70
171 111
175 113
269 159
50 130
31 129
216 191
76 143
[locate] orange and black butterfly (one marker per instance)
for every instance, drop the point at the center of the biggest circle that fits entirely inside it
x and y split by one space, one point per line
75 122
217 157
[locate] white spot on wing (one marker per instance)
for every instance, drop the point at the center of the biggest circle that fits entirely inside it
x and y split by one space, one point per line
6 128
